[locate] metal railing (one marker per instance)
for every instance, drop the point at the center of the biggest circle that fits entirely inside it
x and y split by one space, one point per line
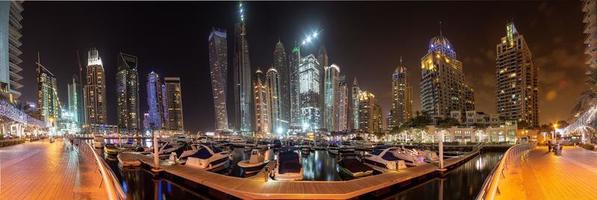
490 187
112 185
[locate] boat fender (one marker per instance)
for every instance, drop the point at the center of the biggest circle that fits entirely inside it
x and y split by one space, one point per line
401 165
173 157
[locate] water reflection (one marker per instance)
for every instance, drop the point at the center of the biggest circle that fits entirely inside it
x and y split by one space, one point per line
463 182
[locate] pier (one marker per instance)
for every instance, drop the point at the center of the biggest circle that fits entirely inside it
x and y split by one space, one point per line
258 188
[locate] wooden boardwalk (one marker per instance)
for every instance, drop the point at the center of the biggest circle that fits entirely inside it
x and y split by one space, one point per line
258 188
43 170
542 175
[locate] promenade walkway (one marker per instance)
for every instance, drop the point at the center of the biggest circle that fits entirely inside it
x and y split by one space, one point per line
542 175
43 170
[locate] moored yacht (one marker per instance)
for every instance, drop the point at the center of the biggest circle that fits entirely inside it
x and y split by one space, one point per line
354 167
288 167
411 157
385 159
207 158
256 162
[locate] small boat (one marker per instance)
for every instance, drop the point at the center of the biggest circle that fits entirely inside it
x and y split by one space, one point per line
333 149
127 159
98 141
354 167
410 157
256 162
385 159
288 167
112 149
207 158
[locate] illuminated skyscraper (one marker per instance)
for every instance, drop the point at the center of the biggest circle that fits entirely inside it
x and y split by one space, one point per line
517 89
281 65
156 101
10 35
74 101
370 119
242 77
295 110
262 105
173 102
355 104
95 90
273 85
590 20
331 99
442 79
47 94
309 76
343 105
127 91
218 61
401 97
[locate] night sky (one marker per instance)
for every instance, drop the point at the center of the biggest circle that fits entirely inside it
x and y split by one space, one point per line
366 39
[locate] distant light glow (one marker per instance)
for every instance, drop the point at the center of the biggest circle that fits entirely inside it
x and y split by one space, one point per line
315 34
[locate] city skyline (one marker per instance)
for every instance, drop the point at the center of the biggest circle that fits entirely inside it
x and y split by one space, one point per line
557 88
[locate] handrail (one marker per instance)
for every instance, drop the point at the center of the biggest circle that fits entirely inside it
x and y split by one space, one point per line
113 187
490 186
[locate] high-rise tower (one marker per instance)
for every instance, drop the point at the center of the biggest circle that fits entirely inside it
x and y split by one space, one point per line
295 110
442 79
10 35
310 94
272 79
355 91
343 104
242 76
95 90
331 100
156 101
173 104
517 89
401 97
47 94
218 61
281 65
74 101
590 20
127 91
262 105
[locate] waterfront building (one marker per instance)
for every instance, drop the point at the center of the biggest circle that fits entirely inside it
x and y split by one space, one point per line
442 79
74 102
475 118
355 104
331 99
517 88
242 77
281 65
127 93
370 117
47 94
272 81
295 111
10 36
95 90
173 101
310 94
343 104
218 62
262 105
401 97
156 101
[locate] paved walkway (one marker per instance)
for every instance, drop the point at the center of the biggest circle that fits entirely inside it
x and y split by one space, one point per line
542 175
43 170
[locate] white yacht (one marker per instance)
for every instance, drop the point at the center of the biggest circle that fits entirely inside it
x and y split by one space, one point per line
256 162
411 157
385 159
206 157
289 167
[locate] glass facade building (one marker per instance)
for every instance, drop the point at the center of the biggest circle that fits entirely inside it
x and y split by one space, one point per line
127 91
218 62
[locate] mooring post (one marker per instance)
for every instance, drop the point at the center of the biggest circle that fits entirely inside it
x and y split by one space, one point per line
441 150
156 158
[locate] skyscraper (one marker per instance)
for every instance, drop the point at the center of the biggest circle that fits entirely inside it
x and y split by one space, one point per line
173 100
355 104
590 20
95 90
74 101
310 94
295 110
272 79
262 105
343 104
47 94
10 35
401 97
331 99
127 91
442 79
242 77
284 72
218 61
517 89
370 120
156 101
